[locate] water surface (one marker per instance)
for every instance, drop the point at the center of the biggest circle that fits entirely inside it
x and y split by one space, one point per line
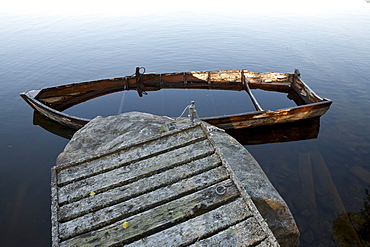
319 178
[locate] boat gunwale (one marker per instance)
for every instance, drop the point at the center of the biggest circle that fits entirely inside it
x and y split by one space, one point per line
324 102
32 101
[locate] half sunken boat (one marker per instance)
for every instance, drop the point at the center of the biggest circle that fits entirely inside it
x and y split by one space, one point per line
51 102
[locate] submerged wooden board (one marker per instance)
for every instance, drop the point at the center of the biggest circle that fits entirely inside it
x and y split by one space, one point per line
174 189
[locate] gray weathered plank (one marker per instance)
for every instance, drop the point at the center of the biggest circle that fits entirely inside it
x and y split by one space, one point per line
159 217
194 229
128 155
138 204
142 186
134 171
245 233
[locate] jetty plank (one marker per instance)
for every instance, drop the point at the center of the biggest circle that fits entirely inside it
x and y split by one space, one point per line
236 235
197 228
67 173
140 203
145 185
133 171
158 217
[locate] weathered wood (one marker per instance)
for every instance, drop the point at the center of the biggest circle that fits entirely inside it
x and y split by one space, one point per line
266 243
156 218
236 235
51 101
246 87
265 118
70 172
287 132
195 229
135 205
305 93
54 209
162 189
271 206
145 185
132 172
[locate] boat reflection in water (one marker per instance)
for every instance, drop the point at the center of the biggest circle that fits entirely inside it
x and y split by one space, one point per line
300 130
53 126
287 132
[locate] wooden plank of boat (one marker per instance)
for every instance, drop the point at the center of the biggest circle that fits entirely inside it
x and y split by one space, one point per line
246 87
287 132
50 102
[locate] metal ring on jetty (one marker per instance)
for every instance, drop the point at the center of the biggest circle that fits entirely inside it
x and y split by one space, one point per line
220 190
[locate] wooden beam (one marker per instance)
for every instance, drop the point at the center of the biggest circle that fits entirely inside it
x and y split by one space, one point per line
143 186
194 230
246 87
156 218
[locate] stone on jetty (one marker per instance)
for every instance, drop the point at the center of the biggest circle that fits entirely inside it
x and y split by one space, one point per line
142 180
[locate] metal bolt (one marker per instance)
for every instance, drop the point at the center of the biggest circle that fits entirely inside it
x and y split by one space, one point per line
220 190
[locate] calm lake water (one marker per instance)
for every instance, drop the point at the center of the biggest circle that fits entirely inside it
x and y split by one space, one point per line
323 180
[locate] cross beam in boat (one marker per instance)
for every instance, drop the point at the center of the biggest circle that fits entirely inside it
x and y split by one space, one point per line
246 87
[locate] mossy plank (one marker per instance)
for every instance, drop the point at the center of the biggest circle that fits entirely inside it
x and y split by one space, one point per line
196 228
158 218
139 187
140 203
127 155
134 171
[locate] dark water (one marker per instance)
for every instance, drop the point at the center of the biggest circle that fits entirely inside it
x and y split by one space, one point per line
320 179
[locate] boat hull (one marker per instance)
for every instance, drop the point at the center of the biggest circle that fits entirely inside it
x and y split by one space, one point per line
59 117
50 102
263 118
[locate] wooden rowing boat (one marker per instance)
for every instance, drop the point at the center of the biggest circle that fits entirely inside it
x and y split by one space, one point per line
51 102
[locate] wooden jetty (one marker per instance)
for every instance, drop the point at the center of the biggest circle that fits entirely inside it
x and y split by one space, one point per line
152 183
